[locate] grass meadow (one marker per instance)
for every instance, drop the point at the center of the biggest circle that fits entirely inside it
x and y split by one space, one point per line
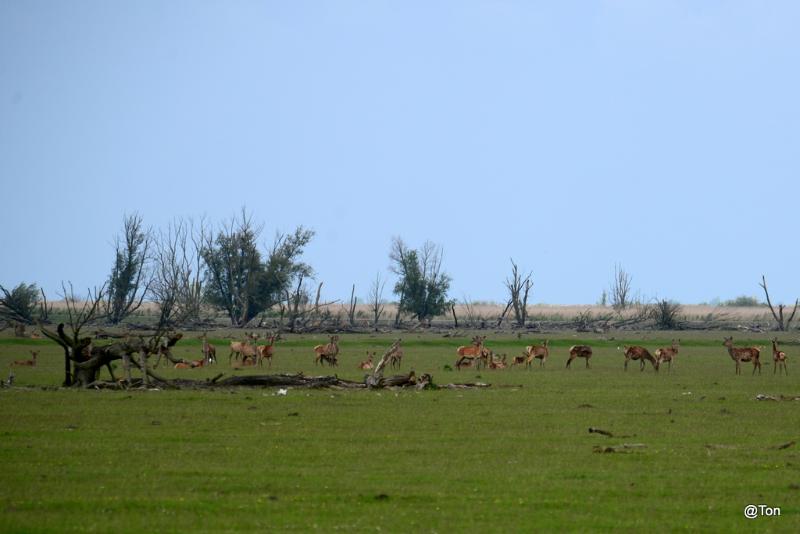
514 457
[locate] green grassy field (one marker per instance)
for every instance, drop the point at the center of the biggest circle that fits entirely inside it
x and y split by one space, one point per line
514 457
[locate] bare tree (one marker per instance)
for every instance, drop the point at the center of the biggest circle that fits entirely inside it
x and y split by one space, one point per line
178 279
376 304
519 286
130 280
79 314
620 288
782 324
351 307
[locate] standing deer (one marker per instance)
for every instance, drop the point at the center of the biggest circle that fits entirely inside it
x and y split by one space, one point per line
779 357
327 352
470 353
265 352
209 350
579 351
539 352
639 353
667 354
396 357
27 363
740 355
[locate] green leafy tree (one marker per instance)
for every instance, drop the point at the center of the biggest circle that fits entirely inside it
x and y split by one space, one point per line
422 285
130 279
20 304
238 278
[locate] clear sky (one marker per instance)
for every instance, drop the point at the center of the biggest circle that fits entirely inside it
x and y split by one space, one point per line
663 135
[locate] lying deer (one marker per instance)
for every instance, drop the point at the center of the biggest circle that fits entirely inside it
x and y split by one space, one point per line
27 363
579 351
519 360
367 364
641 354
191 364
739 355
778 357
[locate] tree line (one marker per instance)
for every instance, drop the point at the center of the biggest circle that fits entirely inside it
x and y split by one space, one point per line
191 265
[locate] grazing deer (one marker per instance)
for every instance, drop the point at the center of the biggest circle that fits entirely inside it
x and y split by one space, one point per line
327 352
641 354
779 357
265 352
667 354
470 353
27 363
209 350
519 360
367 364
579 351
540 352
396 357
746 354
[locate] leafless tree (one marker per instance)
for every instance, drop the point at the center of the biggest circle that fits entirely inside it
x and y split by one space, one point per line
351 307
178 279
620 288
376 303
130 279
781 322
79 314
519 286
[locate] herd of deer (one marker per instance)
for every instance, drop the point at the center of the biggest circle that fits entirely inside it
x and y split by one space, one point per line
476 354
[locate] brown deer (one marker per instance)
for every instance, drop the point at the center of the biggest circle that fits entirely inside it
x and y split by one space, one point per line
470 353
396 357
579 351
27 363
265 352
191 364
667 354
327 352
641 354
779 357
739 355
238 348
209 350
519 360
539 352
367 364
497 363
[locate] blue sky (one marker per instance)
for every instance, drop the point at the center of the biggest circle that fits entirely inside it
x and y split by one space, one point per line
571 136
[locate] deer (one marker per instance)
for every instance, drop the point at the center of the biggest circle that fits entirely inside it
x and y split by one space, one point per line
27 363
470 353
191 364
396 357
740 355
539 352
778 357
495 363
639 353
209 350
579 351
327 352
519 360
265 352
367 364
667 354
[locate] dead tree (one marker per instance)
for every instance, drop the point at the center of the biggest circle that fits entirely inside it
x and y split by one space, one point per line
620 288
79 314
782 324
376 304
519 286
351 307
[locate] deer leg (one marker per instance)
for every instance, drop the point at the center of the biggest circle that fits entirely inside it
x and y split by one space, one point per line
111 372
587 363
568 360
626 364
